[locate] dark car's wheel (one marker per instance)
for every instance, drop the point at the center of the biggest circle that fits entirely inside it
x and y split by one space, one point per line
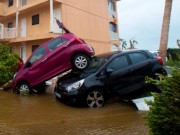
95 98
24 88
81 61
40 88
158 75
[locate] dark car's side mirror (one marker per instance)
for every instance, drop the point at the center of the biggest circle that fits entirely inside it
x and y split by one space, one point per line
109 71
105 73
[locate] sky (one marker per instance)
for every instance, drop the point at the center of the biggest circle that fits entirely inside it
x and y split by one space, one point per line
141 20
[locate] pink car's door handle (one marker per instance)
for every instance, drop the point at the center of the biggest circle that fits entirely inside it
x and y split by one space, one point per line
44 59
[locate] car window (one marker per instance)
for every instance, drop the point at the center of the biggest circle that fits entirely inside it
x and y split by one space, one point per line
118 63
56 43
38 54
137 57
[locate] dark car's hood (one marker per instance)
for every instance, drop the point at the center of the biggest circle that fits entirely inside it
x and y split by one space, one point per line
69 79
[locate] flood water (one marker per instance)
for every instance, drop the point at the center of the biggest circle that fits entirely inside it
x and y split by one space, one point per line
44 115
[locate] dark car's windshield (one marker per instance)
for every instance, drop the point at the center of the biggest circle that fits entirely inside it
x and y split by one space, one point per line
95 63
94 66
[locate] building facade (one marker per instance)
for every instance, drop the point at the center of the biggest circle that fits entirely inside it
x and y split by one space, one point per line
26 24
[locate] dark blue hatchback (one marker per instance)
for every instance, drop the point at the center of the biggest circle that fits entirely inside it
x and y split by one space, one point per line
115 73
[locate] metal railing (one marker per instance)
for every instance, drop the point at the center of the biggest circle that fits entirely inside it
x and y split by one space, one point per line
7 33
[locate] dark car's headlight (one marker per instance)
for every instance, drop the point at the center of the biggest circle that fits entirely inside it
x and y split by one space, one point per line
75 85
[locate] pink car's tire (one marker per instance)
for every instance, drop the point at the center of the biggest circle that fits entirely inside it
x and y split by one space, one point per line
24 88
81 62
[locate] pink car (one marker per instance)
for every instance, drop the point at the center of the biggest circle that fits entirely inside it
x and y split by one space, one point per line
52 58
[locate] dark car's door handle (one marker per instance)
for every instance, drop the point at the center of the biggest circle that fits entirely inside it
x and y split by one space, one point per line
44 59
100 77
130 70
150 62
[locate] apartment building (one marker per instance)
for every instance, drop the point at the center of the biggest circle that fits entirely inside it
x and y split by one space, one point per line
26 24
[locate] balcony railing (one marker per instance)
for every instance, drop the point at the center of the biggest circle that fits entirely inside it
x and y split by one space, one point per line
7 33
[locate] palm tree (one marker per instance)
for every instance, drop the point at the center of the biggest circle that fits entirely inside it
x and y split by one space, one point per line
165 29
132 44
123 43
178 42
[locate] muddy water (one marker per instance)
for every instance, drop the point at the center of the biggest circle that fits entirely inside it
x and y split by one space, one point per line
43 115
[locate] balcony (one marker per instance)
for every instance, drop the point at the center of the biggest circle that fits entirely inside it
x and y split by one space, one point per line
112 14
114 35
7 33
32 5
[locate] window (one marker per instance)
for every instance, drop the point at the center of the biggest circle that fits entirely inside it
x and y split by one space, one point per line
56 43
137 57
113 27
38 54
118 63
34 47
23 2
112 5
10 3
35 19
10 25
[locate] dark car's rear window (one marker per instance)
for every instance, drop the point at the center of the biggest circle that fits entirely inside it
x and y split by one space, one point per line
137 57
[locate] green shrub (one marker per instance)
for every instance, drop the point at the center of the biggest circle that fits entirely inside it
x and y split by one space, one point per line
8 64
174 54
164 115
172 63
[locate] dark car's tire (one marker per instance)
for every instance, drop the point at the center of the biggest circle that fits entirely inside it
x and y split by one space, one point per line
157 77
80 62
95 98
40 88
24 88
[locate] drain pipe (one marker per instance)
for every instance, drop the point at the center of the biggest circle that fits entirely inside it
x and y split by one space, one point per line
51 16
17 18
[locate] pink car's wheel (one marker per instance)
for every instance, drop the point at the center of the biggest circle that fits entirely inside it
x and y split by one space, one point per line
24 88
81 61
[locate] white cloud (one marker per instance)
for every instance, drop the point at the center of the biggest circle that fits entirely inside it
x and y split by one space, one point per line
142 20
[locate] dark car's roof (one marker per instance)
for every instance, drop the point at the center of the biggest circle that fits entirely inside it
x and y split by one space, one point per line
109 54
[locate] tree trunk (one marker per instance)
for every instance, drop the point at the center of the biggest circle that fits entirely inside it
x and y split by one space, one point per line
165 29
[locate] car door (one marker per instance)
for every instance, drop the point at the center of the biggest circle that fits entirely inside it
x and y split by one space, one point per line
56 60
119 81
142 67
35 66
